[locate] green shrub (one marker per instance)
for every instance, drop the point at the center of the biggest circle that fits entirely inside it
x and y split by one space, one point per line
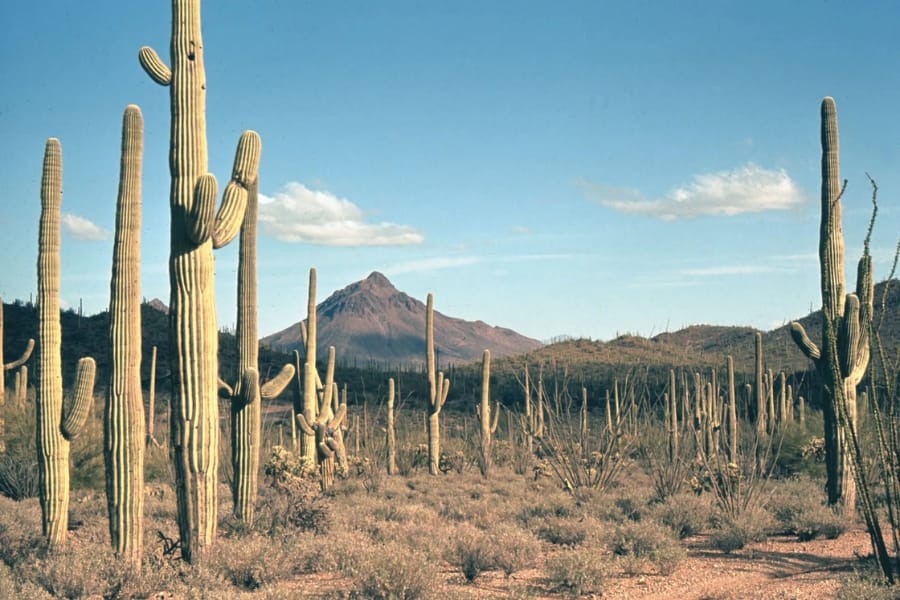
575 572
647 542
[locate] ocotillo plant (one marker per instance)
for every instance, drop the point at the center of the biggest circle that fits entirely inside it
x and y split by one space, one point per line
246 395
55 427
843 357
438 388
123 423
487 425
196 229
15 364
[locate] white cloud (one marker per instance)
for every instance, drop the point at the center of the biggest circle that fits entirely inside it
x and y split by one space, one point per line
83 229
726 270
299 214
431 264
747 189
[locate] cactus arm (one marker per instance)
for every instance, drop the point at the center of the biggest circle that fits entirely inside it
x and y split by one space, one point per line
848 336
244 173
29 347
338 419
304 425
200 219
328 387
445 390
154 66
806 345
831 237
273 387
82 399
225 390
249 386
429 348
325 449
496 421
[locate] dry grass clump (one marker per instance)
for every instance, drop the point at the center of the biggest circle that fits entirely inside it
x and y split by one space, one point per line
732 533
684 513
640 544
390 572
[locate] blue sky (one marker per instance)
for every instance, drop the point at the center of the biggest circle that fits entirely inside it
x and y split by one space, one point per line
559 168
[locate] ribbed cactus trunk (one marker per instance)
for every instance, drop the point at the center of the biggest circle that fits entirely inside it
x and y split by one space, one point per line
55 428
391 431
843 357
438 387
310 388
245 403
123 429
484 414
196 229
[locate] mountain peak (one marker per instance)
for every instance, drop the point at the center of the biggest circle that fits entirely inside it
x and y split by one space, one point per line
377 280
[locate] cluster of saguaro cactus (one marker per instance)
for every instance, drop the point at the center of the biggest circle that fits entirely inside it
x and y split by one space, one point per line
196 229
326 428
487 425
55 426
247 393
843 357
438 388
123 430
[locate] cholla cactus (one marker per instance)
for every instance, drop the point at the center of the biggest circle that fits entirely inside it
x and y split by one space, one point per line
55 427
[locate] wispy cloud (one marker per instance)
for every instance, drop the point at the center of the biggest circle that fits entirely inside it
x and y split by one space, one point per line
431 264
747 189
300 214
83 229
726 270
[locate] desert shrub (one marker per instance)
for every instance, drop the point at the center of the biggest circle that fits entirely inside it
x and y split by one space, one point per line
251 562
798 507
87 470
686 514
19 476
641 542
472 551
732 533
515 548
391 572
632 506
575 572
562 531
802 452
867 584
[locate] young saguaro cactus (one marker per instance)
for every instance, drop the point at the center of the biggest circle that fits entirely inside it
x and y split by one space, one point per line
843 357
391 431
123 422
246 395
196 229
55 427
438 388
487 425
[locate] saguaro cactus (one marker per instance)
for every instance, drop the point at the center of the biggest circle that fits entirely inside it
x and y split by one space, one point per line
195 231
247 393
438 388
843 357
15 364
55 427
123 430
310 375
391 431
323 430
487 425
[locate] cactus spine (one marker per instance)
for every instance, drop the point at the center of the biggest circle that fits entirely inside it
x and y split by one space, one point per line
438 388
195 230
123 429
55 427
843 357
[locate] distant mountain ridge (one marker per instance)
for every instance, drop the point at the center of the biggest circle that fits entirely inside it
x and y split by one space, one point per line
371 320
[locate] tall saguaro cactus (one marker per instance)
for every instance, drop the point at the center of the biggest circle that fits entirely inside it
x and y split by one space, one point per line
487 425
310 376
247 394
55 426
196 229
438 388
843 357
123 430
